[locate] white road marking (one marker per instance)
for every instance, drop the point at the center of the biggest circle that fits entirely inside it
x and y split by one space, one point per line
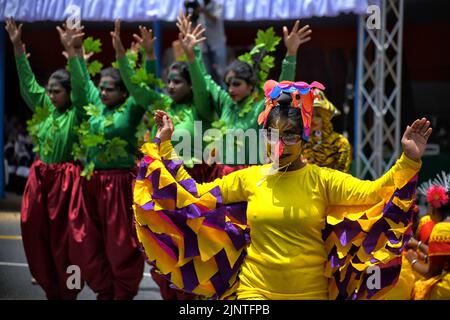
13 264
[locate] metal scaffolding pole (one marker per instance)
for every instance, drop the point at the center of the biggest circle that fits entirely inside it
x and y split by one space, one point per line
378 91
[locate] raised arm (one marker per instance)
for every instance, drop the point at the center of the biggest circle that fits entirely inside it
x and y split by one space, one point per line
33 94
232 186
89 92
141 93
343 189
293 40
209 97
146 41
72 41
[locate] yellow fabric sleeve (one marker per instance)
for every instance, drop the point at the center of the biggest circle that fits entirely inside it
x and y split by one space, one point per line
344 189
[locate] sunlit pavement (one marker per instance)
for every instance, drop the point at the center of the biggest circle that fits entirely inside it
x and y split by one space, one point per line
15 278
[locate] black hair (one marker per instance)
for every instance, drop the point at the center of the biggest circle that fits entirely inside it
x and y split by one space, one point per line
243 71
115 74
285 110
182 68
62 76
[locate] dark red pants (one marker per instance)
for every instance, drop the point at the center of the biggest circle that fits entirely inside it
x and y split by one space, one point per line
44 225
104 234
203 172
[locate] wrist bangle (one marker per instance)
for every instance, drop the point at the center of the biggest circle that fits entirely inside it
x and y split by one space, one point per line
414 262
419 245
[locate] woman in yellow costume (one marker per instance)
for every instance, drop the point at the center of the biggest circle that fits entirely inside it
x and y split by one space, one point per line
418 245
432 261
245 235
327 148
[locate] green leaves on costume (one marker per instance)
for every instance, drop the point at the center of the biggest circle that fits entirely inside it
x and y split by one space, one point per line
92 140
246 57
88 170
39 116
257 48
268 39
132 59
113 149
108 149
218 124
146 123
92 110
191 162
265 42
246 108
90 45
141 76
221 125
109 120
94 67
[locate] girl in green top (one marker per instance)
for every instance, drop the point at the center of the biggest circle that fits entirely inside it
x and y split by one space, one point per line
45 201
178 101
231 106
102 220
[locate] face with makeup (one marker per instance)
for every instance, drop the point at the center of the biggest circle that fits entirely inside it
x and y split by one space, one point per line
238 88
59 96
286 132
110 93
178 88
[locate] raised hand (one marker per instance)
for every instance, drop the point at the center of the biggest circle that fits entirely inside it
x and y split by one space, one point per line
184 23
415 137
15 35
135 47
116 41
296 37
191 39
71 39
165 125
146 41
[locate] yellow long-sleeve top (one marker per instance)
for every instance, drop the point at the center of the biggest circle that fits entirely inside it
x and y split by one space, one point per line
286 213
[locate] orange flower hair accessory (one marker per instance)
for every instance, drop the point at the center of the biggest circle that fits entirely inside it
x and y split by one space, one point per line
437 196
302 98
436 190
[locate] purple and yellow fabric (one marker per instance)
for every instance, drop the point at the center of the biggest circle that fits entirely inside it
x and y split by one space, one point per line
197 243
368 242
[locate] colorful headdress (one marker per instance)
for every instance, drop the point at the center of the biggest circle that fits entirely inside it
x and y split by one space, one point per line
302 98
321 101
436 190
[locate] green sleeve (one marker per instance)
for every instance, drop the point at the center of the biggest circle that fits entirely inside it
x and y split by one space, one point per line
209 98
141 93
91 91
33 94
199 58
79 95
288 68
150 66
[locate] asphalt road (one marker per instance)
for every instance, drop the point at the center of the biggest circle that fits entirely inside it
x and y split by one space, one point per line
15 277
